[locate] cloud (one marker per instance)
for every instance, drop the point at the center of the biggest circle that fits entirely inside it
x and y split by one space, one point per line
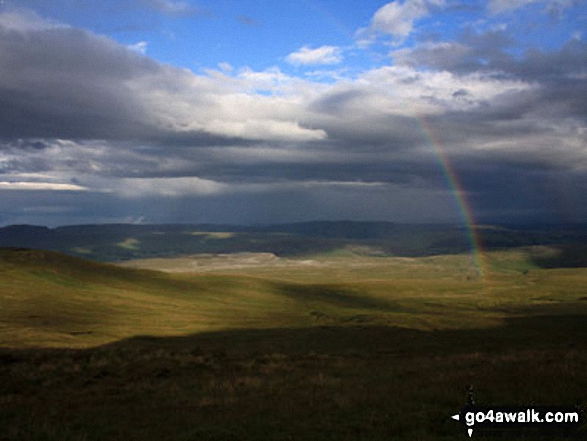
558 78
246 20
140 47
320 55
397 18
172 8
79 111
551 6
471 52
25 20
500 6
36 186
225 67
64 82
167 187
68 83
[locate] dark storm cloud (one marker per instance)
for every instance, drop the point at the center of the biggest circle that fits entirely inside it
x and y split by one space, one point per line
138 137
375 134
395 172
353 124
64 82
63 208
24 144
569 60
519 156
172 138
60 82
335 103
520 193
556 98
488 52
472 52
170 8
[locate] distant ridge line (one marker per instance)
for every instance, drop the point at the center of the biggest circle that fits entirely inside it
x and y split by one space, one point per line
115 242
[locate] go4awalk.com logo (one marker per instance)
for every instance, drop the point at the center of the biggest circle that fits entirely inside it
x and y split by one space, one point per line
547 420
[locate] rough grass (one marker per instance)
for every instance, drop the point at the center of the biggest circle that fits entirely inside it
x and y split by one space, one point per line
347 348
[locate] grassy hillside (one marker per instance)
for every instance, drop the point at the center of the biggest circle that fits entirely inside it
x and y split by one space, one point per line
331 347
50 299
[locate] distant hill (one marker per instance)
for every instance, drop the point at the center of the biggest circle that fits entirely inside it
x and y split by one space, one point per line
115 242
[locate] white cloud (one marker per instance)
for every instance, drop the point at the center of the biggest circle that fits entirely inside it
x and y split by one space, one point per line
321 55
265 105
36 186
405 91
266 129
270 79
169 187
225 67
397 18
140 47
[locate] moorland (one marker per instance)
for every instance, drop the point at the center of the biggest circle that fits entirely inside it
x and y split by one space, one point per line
357 331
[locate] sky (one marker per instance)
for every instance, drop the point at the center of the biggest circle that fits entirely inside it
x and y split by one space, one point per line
258 111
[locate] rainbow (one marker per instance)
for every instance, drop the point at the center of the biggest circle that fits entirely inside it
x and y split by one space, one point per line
459 195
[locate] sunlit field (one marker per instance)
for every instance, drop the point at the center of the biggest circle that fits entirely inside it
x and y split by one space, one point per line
250 346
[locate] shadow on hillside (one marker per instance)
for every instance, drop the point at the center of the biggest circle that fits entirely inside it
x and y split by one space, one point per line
540 328
520 333
335 295
369 383
560 256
